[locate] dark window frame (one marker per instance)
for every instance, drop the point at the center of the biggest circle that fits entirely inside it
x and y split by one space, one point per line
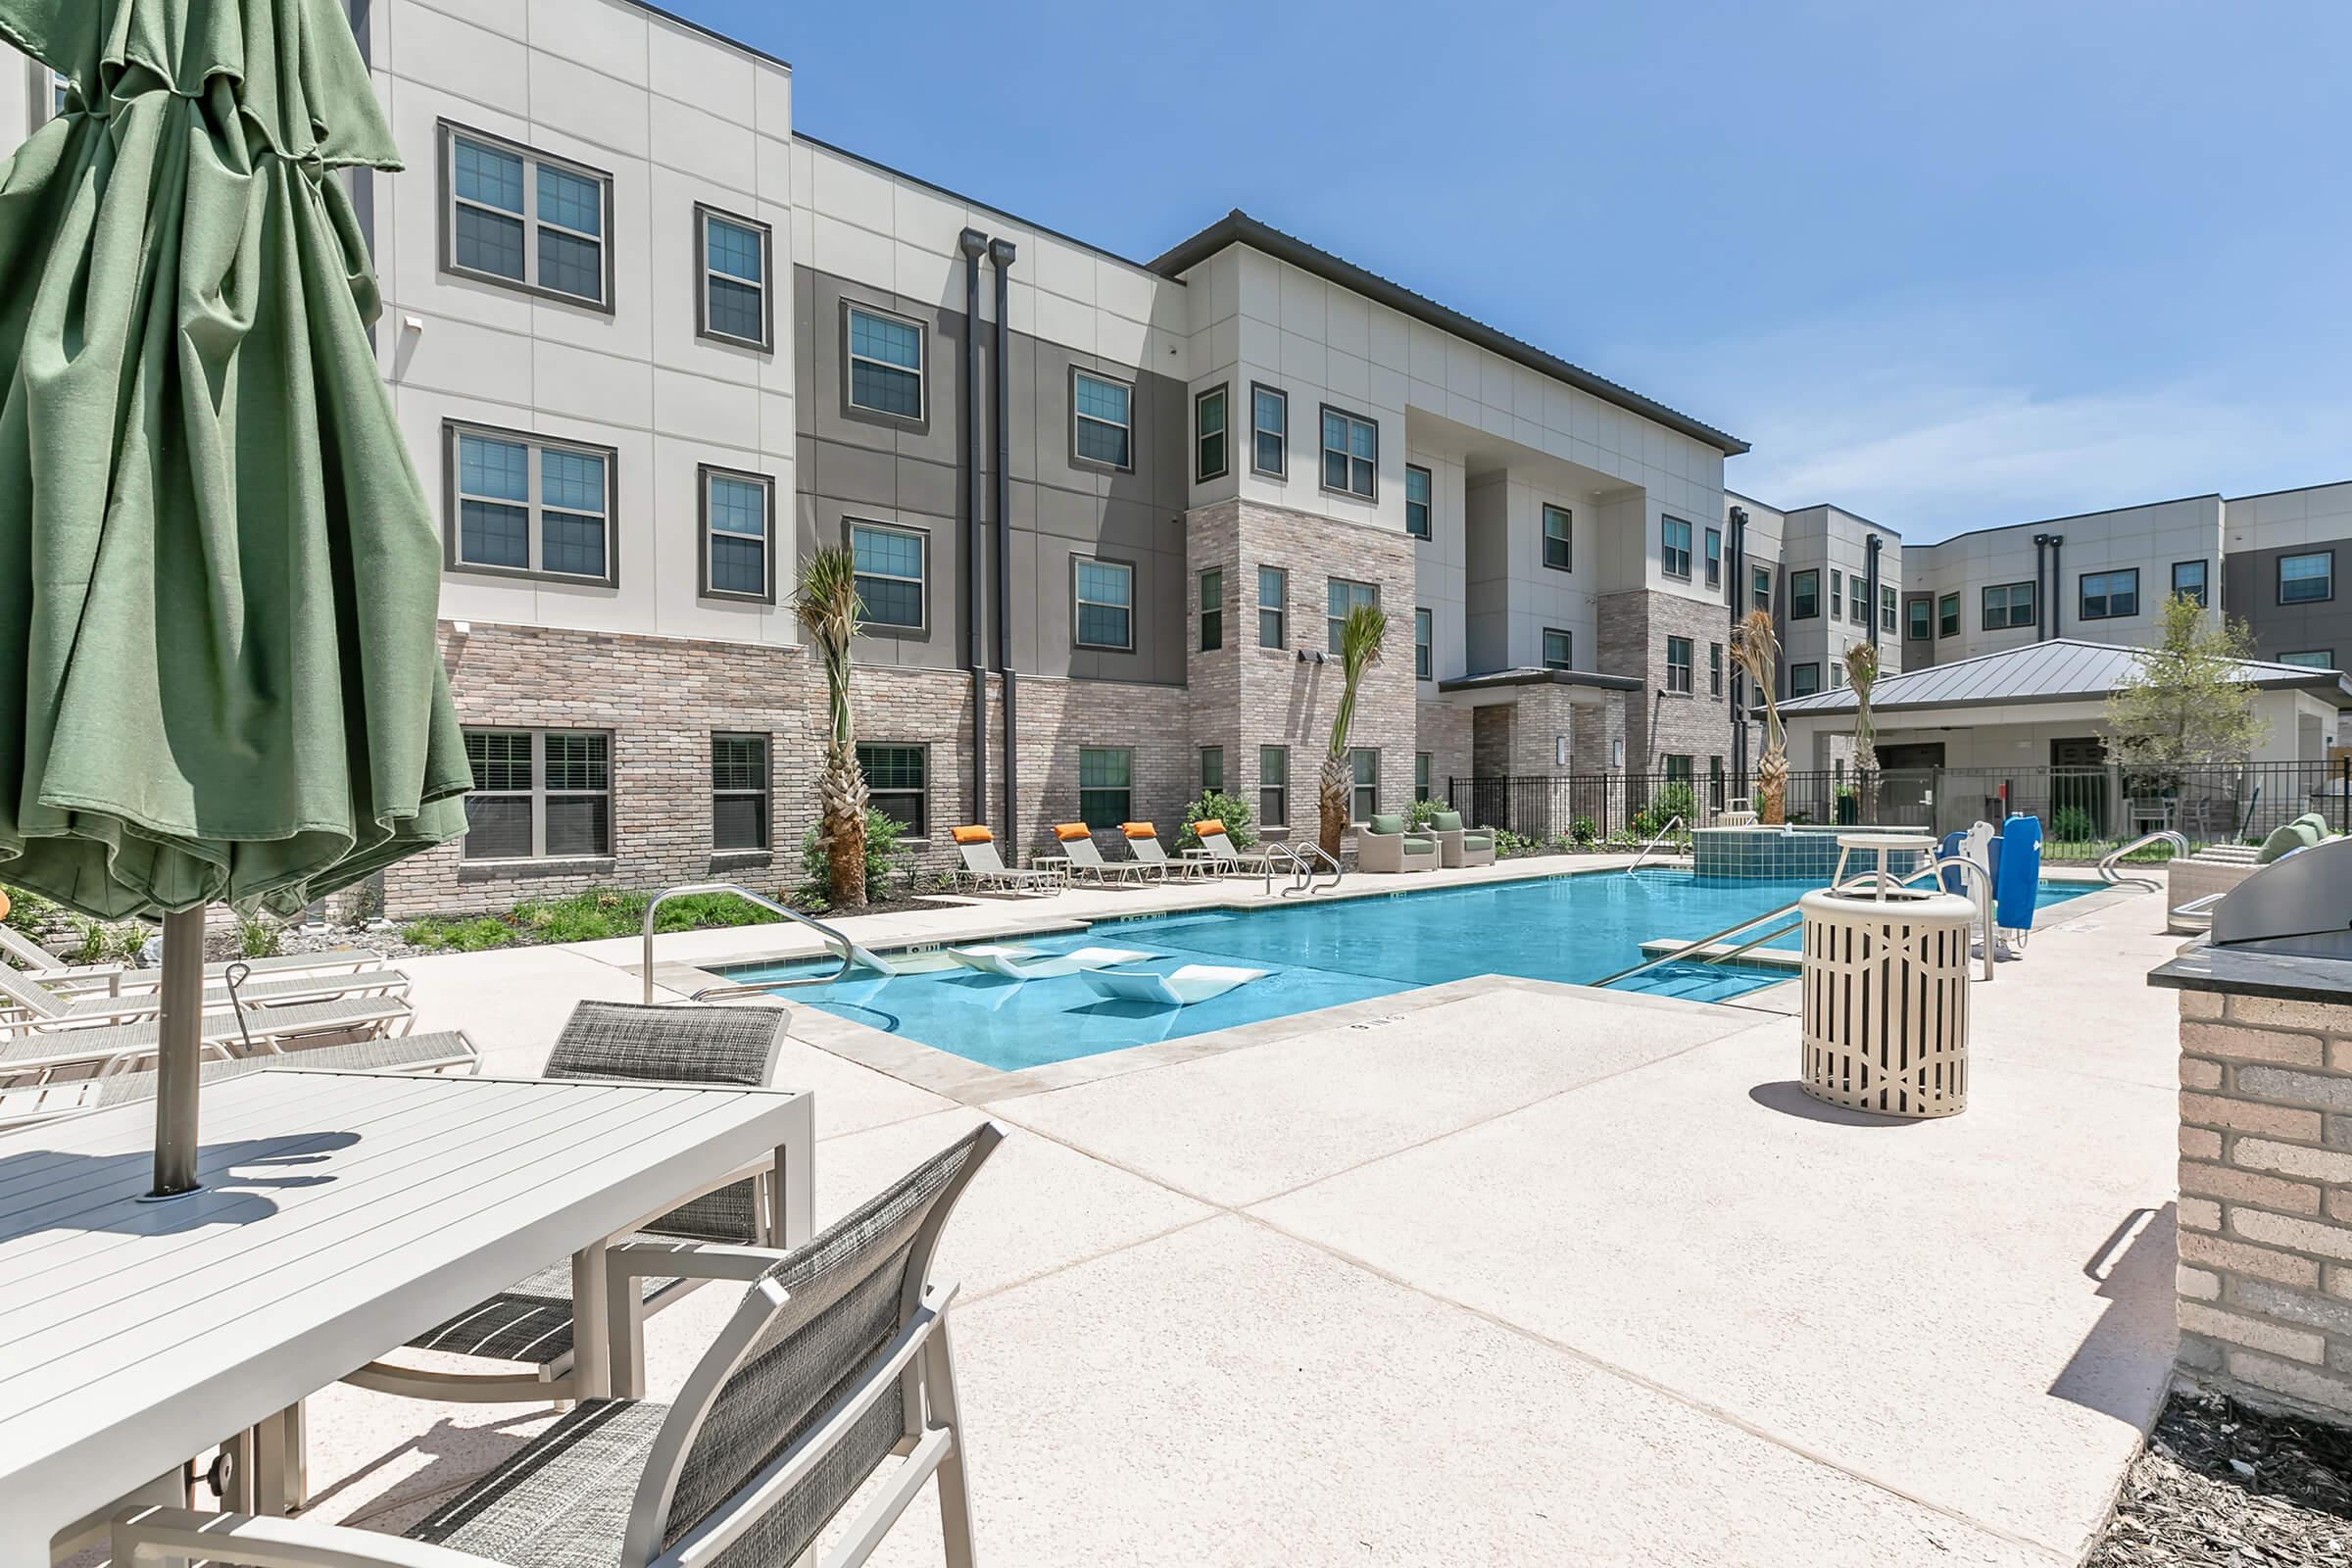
1202 472
866 627
1714 669
866 412
764 793
452 522
1280 610
2301 658
1278 814
1804 594
1810 667
1427 504
1079 460
704 212
1425 649
1686 682
703 474
2204 589
1331 624
2012 622
1543 519
1206 784
1544 647
1714 557
917 832
537 794
1920 608
2279 580
1076 641
1282 435
2106 610
1322 452
1669 552
1212 615
1126 812
1948 624
449 133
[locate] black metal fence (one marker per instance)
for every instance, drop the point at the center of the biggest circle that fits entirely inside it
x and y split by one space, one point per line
2095 807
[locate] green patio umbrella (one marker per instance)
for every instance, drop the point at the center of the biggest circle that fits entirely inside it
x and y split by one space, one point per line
219 575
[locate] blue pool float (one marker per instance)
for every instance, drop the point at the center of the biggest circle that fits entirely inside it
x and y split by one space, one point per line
2016 872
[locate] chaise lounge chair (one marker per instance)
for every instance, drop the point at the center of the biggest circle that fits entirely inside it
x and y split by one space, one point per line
1458 845
836 1360
1143 841
418 1053
985 870
61 976
49 1055
1006 963
531 1322
28 996
1179 988
1217 852
1384 845
1079 855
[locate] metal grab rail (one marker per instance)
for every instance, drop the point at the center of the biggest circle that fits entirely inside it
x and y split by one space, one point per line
1687 949
1672 823
1302 860
851 953
2107 861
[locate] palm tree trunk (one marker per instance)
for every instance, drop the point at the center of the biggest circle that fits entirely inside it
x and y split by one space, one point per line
1338 775
841 796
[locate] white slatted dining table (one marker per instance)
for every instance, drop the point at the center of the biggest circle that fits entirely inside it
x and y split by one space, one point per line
341 1215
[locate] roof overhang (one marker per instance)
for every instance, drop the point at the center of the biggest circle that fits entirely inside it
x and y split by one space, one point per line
1501 678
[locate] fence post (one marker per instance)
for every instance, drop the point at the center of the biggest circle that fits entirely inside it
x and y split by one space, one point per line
2343 797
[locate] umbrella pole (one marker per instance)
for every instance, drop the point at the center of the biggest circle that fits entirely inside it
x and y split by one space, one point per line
177 1070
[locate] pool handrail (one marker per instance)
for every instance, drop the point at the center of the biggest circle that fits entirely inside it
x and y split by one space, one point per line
1303 869
1672 823
2108 861
836 940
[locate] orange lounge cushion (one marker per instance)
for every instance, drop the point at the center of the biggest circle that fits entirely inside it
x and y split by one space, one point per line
1208 825
1069 831
973 835
1139 830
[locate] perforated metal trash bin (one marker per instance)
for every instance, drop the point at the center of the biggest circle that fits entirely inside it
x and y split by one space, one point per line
1886 989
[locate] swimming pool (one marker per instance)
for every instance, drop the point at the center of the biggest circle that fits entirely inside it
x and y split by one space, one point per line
1576 929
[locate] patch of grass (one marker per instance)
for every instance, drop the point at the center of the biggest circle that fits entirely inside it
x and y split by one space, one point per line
589 917
459 936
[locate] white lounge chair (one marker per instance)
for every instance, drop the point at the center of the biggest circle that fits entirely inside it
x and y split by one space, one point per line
45 1056
29 996
1218 854
1080 856
985 870
1180 988
1003 960
418 1053
1143 841
59 975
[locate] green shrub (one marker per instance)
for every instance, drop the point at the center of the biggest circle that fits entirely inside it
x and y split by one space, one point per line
2071 822
1508 843
1215 805
1584 831
477 935
257 936
31 913
1421 814
885 856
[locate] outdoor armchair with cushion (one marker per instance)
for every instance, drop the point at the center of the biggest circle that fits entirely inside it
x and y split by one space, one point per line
531 1322
1384 845
837 1359
1458 845
984 869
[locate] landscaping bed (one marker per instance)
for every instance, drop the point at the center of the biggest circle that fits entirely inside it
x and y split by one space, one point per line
2222 1485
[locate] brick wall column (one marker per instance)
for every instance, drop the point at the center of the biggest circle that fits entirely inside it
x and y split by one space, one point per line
2266 1200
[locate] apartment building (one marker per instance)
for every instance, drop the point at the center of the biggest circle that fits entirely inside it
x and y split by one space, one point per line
652 346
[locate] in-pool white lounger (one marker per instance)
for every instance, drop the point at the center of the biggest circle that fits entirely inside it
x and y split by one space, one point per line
1194 982
1006 962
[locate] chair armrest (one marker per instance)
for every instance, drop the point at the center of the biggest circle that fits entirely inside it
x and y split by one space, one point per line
150 1536
689 1260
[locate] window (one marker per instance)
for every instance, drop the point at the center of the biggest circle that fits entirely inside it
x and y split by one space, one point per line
1674 548
1804 594
61 88
1803 679
739 791
1857 600
530 507
734 304
1101 421
889 572
539 794
2307 579
1424 652
2009 604
2188 582
1714 557
897 784
1760 587
737 562
1887 613
1104 592
1273 786
1947 616
1678 769
1363 801
1678 665
2314 658
1714 669
1836 595
1351 454
1919 620
1837 669
1421 770
1273 586
1416 502
525 221
2107 595
1339 597
1213 769
1559 649
1559 538
1271 431
886 364
1104 799
1213 611
1208 435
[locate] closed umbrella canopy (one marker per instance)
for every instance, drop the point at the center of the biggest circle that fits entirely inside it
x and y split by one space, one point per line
219 679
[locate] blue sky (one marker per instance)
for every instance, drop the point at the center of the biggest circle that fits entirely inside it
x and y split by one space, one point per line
1944 266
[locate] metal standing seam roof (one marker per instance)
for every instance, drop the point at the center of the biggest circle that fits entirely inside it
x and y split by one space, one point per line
2060 669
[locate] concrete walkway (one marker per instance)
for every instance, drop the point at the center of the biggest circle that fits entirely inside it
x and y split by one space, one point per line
1498 1272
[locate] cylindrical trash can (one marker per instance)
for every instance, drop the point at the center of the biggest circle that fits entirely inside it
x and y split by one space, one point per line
1886 991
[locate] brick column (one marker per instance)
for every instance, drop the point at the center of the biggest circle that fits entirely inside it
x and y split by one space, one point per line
2266 1199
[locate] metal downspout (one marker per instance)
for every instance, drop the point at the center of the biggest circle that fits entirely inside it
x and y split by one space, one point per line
1870 573
2057 582
973 242
1001 252
1735 569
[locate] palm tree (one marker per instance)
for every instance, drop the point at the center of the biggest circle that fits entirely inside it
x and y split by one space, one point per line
1861 673
1360 637
828 605
1756 647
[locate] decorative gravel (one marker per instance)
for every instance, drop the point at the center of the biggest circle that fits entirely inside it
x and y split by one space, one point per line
2221 1486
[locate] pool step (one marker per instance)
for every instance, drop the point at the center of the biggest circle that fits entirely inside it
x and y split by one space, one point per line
1752 958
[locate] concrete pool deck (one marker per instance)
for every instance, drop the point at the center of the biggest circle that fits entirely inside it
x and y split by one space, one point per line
1495 1271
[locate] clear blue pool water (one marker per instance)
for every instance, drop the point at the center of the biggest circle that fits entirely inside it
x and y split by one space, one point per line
1576 929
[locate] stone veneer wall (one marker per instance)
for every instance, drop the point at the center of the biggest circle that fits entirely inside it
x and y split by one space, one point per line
2266 1200
1243 697
1633 627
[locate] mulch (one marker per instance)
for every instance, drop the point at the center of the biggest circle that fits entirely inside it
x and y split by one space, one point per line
2222 1485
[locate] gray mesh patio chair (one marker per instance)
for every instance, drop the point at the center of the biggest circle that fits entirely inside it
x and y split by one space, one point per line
837 1359
531 1322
